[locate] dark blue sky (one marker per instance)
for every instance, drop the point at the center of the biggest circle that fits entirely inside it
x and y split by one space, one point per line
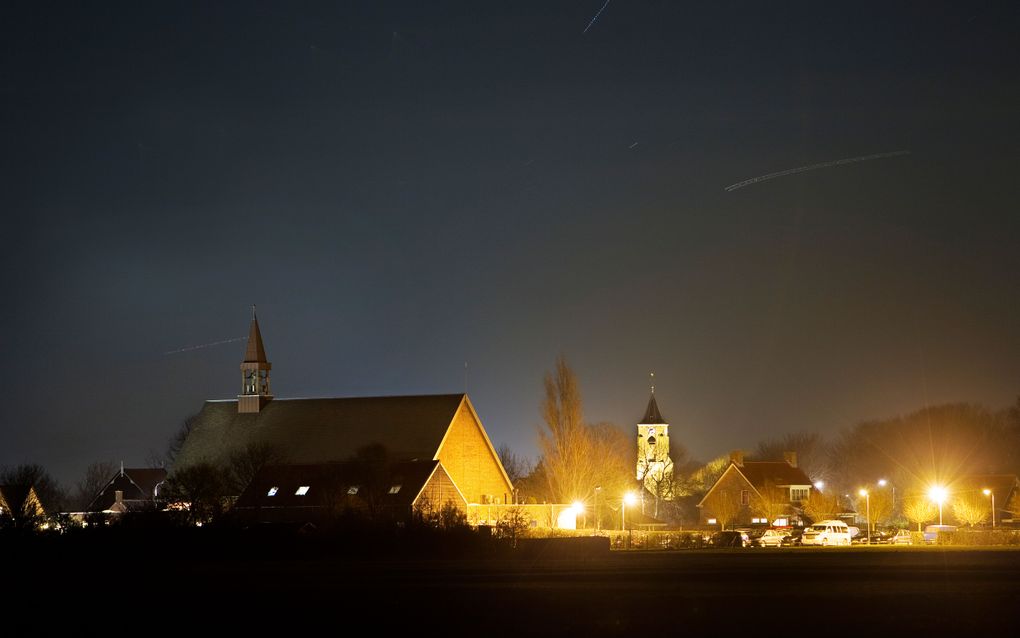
401 187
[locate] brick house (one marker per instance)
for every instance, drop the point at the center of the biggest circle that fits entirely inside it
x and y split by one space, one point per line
755 492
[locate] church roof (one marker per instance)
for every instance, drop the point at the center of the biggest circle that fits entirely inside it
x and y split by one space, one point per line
255 352
652 416
324 430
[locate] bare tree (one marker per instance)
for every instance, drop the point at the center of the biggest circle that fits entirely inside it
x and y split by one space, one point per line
201 488
878 505
246 463
97 475
564 442
971 508
919 510
1013 506
176 442
771 501
820 506
811 448
516 467
725 506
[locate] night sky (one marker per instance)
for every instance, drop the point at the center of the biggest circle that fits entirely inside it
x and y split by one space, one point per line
405 186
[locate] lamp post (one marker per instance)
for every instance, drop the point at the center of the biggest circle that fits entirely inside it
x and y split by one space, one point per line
628 498
867 500
598 520
938 493
990 493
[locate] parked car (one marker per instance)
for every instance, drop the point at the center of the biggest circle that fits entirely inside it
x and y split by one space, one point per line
729 539
901 537
827 533
931 533
774 538
877 537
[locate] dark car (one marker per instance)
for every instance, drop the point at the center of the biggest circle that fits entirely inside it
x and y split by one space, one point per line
729 539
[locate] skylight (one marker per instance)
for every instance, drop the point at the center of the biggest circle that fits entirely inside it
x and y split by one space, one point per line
394 489
301 491
272 491
353 490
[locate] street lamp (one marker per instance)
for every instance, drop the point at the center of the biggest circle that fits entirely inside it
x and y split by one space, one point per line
628 499
883 483
598 520
989 492
938 494
867 500
578 508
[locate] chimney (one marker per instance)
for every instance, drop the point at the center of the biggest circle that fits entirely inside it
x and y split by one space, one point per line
737 458
790 458
118 497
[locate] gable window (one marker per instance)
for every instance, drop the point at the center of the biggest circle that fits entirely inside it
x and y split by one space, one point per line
352 490
301 491
745 497
798 493
395 488
272 491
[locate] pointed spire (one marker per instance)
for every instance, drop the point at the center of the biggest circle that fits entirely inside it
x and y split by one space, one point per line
652 415
122 468
255 352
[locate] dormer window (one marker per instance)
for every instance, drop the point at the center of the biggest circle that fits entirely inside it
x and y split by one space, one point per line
352 490
272 491
301 491
395 488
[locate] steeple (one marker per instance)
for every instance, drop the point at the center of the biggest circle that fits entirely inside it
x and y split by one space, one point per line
255 393
654 465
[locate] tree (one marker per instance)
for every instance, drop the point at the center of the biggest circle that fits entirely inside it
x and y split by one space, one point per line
51 495
202 489
1013 506
770 501
919 510
725 506
176 443
97 475
878 506
513 524
820 506
971 508
516 467
246 463
564 443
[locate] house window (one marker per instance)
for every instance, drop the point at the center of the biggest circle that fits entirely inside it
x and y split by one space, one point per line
745 497
798 493
394 489
352 490
272 491
711 521
301 491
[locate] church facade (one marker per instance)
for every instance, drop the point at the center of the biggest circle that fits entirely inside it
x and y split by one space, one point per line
444 429
654 465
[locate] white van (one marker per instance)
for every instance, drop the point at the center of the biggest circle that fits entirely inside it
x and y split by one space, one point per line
828 533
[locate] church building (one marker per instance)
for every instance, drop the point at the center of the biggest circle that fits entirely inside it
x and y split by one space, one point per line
441 433
654 465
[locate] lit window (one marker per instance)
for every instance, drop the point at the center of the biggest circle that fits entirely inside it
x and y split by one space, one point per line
798 493
301 491
711 521
272 491
394 489
352 490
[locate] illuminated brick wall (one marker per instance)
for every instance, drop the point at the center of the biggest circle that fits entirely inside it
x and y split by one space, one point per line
471 464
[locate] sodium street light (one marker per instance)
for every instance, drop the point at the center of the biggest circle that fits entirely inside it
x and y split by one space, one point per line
628 499
578 508
938 494
867 500
598 518
989 492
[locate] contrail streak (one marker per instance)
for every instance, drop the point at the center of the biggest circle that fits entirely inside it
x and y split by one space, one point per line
204 345
811 167
596 17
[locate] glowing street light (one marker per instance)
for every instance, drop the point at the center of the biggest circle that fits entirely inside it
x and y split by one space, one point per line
867 500
819 485
598 518
628 499
989 492
938 494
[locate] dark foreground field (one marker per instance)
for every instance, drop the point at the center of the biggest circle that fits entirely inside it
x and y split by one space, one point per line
796 592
